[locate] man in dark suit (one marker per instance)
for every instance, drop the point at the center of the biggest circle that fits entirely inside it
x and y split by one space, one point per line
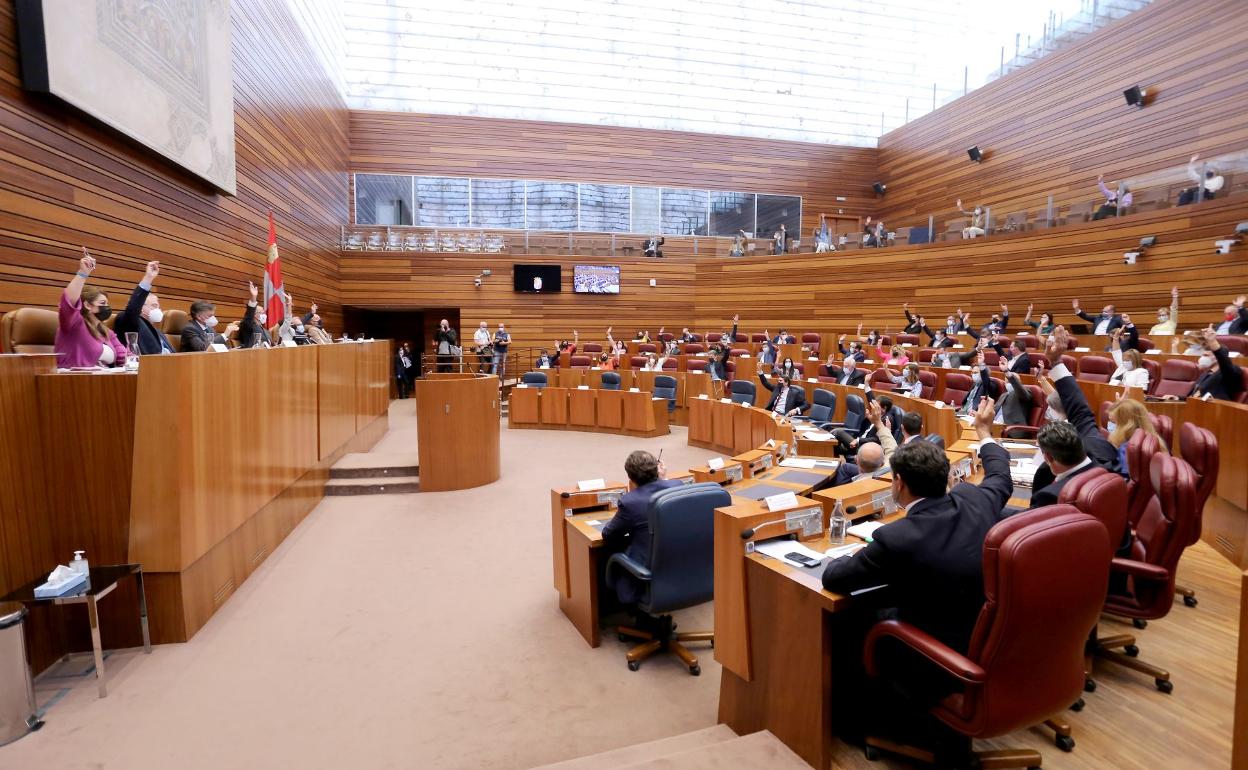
1220 377
854 350
1064 458
253 323
1236 317
786 399
940 337
141 315
848 372
1105 323
1014 406
1073 407
199 333
629 528
983 387
932 560
1016 356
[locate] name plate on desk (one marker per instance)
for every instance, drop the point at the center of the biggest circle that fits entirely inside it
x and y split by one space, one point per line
610 497
812 379
703 396
809 520
590 485
735 473
883 501
288 343
763 462
217 347
634 390
582 387
781 502
725 401
715 463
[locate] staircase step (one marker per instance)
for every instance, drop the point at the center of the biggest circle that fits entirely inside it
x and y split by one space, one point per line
394 485
364 465
757 751
627 756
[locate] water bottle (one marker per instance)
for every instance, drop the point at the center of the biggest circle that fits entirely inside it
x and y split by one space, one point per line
837 525
132 351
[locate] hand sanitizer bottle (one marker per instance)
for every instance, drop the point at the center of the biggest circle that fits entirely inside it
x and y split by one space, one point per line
837 524
79 564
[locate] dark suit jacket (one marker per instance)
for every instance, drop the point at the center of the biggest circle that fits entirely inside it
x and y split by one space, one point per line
857 377
912 324
248 328
1020 363
629 531
1223 380
1240 324
195 339
859 356
1015 405
845 473
988 388
151 339
933 558
1080 415
1045 488
947 342
1114 321
796 398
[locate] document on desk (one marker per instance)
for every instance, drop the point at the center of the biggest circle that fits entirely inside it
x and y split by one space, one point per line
813 436
777 549
865 529
798 462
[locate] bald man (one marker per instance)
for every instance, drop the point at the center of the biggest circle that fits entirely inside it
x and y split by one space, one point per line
872 457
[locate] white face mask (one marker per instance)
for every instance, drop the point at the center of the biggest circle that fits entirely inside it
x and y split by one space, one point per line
1110 426
1128 365
155 315
211 322
1051 414
1206 361
262 318
1163 318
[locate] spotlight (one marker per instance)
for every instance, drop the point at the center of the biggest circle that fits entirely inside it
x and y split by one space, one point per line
1148 241
1224 246
975 154
476 282
1130 257
1241 228
1135 96
486 272
879 188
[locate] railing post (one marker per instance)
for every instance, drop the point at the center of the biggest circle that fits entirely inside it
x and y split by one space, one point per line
931 228
1200 184
1049 212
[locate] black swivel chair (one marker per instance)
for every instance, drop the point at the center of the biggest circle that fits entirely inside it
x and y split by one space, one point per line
610 381
823 408
682 568
742 391
855 415
534 379
936 439
665 387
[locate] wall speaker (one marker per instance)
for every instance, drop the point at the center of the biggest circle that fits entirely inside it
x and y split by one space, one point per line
975 154
1135 96
879 188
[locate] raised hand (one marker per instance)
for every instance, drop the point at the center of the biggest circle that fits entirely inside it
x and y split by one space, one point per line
874 413
609 328
859 330
251 287
1240 300
1075 304
905 306
1211 338
1030 306
841 339
1174 292
736 317
153 270
1126 321
922 321
1056 345
87 263
983 417
1195 157
1100 177
959 203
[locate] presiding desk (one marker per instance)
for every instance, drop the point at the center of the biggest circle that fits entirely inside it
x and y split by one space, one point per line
196 467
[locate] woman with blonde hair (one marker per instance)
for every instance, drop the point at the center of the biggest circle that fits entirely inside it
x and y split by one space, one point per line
907 383
1130 372
896 356
1126 417
82 339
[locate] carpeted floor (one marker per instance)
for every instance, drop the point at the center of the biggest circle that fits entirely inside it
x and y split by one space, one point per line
392 631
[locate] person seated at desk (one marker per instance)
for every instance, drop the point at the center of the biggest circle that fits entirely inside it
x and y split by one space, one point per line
848 372
872 458
1127 416
1130 372
911 427
1044 327
291 328
983 387
872 339
642 336
894 356
996 324
198 335
1014 406
685 336
1064 458
940 338
914 323
82 339
848 445
653 246
786 400
1235 317
1220 377
855 351
932 559
607 362
908 382
786 369
569 347
629 529
1071 405
1102 324
315 328
1015 356
253 332
142 314
543 360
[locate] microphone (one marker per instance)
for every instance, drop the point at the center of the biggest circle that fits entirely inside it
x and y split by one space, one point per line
748 533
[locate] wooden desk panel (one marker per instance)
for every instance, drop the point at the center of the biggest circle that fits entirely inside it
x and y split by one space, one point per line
639 412
567 377
610 409
457 424
721 426
523 406
582 408
554 406
337 396
742 430
700 432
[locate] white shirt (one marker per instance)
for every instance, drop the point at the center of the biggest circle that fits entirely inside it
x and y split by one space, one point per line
1102 326
1086 461
482 336
1135 378
107 355
781 399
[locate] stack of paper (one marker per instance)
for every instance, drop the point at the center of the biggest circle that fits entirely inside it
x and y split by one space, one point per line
798 462
865 529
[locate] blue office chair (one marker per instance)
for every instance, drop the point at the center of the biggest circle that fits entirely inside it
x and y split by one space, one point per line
681 572
742 391
824 407
665 387
534 379
936 439
855 415
610 381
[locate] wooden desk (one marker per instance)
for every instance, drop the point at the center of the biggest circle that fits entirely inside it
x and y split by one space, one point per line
608 411
1225 524
523 407
457 424
554 406
582 408
573 542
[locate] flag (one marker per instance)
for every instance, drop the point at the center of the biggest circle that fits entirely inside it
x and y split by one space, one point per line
274 289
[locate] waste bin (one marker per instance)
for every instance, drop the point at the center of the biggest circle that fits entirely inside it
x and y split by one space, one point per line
17 693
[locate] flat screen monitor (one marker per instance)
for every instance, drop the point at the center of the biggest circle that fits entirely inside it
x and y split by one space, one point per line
537 279
596 279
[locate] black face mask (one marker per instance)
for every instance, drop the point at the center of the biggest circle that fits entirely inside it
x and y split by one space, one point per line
104 313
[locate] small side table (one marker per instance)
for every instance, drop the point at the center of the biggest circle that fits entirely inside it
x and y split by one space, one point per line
100 583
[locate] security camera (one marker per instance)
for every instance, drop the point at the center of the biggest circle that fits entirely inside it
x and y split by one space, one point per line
476 282
1130 257
1224 246
1148 241
1241 228
486 272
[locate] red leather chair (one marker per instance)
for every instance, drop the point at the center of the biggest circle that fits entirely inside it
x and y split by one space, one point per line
1177 378
912 339
636 362
696 337
28 330
928 378
580 361
800 366
823 371
1199 447
1037 360
1028 340
1096 368
926 355
670 365
1161 536
713 337
991 357
692 348
1144 344
731 368
1140 450
1164 424
957 387
758 338
741 337
1237 343
1045 577
880 380
1035 416
647 347
592 347
666 337
696 365
738 352
1071 363
1102 495
812 340
1154 374
1243 393
1072 343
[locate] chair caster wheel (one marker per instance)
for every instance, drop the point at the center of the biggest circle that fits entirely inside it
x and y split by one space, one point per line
1077 705
1165 685
1089 685
1139 623
1190 601
633 665
1132 651
1065 743
871 753
695 670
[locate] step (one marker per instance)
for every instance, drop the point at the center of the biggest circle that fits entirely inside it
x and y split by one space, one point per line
363 465
395 485
757 751
641 752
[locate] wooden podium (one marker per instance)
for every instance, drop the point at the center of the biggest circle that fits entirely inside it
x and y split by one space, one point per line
457 426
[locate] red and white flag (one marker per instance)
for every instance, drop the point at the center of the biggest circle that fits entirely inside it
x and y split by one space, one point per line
274 289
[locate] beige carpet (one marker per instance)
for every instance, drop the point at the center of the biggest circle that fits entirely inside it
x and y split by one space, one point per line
393 631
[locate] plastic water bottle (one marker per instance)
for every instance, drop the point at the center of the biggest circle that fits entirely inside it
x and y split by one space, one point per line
132 352
837 525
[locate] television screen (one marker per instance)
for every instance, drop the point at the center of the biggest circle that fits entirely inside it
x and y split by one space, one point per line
596 279
537 278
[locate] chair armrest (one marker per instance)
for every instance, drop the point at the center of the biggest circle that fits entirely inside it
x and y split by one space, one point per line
841 426
926 645
1031 429
622 561
1140 569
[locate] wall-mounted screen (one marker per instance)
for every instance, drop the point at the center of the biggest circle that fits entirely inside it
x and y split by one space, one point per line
537 278
596 279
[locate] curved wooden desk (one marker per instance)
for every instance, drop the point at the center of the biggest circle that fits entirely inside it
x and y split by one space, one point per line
457 417
587 408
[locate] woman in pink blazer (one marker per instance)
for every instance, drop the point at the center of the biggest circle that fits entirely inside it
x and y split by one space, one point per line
82 339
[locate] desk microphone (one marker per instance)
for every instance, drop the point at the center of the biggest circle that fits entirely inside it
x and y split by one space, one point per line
748 533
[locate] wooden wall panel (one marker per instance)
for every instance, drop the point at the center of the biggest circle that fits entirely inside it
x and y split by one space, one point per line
68 181
1053 126
442 145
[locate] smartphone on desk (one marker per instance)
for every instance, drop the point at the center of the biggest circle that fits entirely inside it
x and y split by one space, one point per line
803 559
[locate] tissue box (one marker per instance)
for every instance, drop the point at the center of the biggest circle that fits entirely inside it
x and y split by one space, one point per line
51 590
